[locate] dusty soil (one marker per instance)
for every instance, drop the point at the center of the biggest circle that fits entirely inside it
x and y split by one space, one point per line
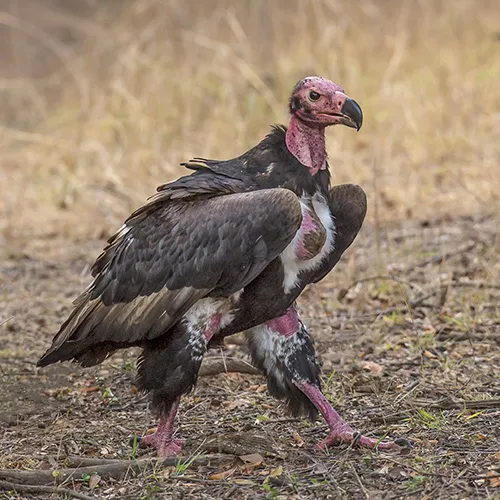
411 350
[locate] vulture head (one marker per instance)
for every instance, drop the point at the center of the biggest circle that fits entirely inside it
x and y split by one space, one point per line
318 102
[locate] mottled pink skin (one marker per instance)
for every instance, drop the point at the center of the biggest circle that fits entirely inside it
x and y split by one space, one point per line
213 326
285 325
305 137
307 144
340 431
308 226
162 439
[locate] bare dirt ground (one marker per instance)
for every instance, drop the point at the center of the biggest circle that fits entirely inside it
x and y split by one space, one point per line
411 352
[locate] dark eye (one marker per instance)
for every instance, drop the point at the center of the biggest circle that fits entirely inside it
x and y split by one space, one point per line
314 96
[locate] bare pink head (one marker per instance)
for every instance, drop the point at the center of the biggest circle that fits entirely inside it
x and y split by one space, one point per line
320 102
316 103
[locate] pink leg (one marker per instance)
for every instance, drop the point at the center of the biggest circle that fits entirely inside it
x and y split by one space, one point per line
162 439
340 431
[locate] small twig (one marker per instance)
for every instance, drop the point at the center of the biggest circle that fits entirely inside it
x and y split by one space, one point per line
475 284
438 259
386 277
229 493
448 404
31 488
135 401
420 302
358 479
458 337
445 404
5 320
433 474
214 366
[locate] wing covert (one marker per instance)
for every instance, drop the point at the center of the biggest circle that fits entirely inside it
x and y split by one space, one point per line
169 255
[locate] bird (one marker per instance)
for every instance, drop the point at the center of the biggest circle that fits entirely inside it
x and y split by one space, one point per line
226 249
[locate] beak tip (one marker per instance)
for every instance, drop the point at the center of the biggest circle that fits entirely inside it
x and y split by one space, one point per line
353 110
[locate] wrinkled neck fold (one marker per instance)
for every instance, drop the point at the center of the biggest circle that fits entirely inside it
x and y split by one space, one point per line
307 144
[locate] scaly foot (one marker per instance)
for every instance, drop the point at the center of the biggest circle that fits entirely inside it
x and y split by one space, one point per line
164 447
162 438
343 433
340 431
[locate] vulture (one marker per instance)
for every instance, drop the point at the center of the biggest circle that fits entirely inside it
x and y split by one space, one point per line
227 249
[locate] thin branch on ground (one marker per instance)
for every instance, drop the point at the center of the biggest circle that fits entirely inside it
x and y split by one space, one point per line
448 404
73 461
109 469
475 284
31 488
214 366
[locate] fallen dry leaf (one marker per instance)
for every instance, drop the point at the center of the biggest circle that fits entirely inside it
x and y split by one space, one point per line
222 475
253 459
243 482
238 403
371 366
276 472
94 388
258 387
298 440
94 481
493 479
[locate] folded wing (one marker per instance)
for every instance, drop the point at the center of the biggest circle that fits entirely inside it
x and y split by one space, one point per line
169 254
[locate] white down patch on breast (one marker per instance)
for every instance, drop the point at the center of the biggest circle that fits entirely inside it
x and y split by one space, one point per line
293 266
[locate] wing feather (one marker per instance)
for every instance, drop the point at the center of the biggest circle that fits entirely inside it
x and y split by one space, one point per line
169 255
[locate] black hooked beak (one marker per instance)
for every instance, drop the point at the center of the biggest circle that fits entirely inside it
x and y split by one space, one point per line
352 116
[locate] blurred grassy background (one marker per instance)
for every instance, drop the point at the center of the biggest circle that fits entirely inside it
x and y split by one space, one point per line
101 100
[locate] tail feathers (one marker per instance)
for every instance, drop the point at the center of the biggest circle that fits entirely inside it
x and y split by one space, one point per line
84 353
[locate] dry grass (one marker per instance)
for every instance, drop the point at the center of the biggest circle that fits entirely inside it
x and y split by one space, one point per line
139 88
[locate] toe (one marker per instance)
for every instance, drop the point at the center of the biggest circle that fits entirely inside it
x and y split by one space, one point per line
170 449
148 440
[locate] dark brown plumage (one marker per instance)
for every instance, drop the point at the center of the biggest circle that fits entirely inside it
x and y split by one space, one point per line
226 249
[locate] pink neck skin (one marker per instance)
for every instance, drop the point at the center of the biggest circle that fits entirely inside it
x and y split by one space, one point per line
285 325
307 144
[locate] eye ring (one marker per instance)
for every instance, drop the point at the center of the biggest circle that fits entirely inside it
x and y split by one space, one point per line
314 96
